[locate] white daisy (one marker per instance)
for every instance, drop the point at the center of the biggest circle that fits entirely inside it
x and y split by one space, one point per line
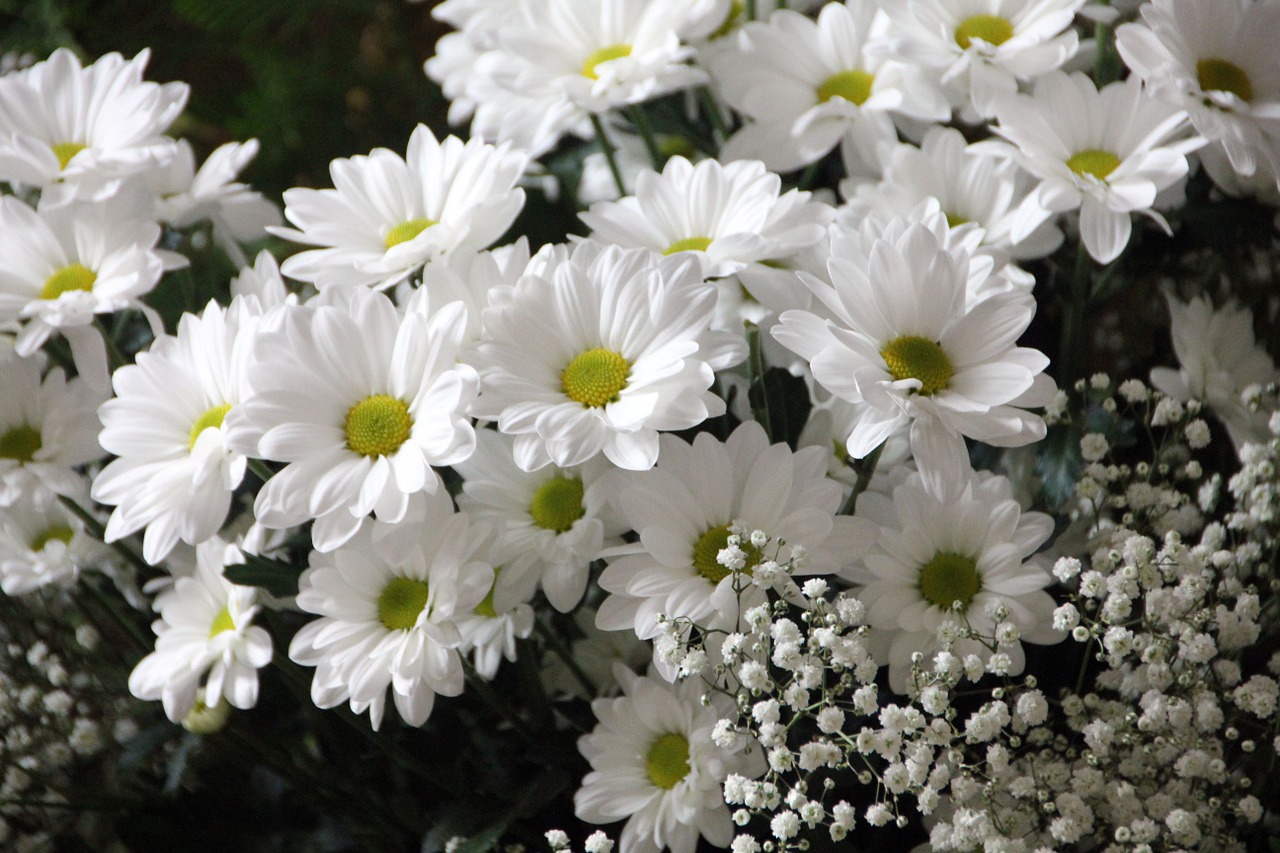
1108 153
75 131
599 351
360 403
466 277
204 633
953 562
387 215
653 762
389 606
489 632
900 335
41 546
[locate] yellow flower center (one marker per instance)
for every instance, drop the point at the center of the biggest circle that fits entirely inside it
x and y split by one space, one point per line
992 29
485 607
914 357
377 425
20 443
708 548
949 579
841 451
1218 75
668 761
595 377
736 10
222 622
406 231
557 504
74 277
212 418
854 86
688 244
955 220
401 602
604 54
1093 161
66 152
60 533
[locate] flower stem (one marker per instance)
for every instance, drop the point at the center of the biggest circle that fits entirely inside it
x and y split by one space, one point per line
562 651
866 468
260 469
641 121
717 117
757 394
95 527
606 146
1071 355
751 10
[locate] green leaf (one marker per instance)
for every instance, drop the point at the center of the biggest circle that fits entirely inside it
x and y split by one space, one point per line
1060 463
277 578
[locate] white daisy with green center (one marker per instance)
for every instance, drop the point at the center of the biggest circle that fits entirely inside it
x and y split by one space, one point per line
359 403
599 350
207 648
489 632
898 331
43 545
1106 153
683 510
387 216
654 763
174 474
952 562
389 603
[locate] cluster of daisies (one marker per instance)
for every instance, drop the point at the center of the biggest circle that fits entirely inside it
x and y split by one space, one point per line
464 437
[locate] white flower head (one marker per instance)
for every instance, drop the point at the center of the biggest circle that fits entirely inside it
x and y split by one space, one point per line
489 632
43 545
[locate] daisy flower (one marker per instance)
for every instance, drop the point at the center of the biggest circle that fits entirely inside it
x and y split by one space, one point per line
41 546
1107 153
388 608
1217 60
898 333
653 762
597 352
204 633
549 524
387 215
360 403
489 632
466 277
953 562
76 131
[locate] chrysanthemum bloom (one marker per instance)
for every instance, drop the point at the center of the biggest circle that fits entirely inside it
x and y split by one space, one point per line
598 352
489 632
1217 60
387 215
549 524
43 545
361 404
900 334
953 563
683 510
466 277
801 84
388 606
1218 359
175 473
653 762
204 632
76 131
982 50
1108 153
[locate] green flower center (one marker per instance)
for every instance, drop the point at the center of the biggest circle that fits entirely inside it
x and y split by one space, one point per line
401 602
736 10
67 279
485 607
676 146
60 533
406 231
955 220
1093 161
212 418
709 546
557 504
950 578
604 54
66 152
989 28
688 244
595 377
377 425
20 443
668 761
914 357
222 622
854 86
841 451
1218 75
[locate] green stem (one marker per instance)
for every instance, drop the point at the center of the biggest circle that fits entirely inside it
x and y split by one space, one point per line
866 468
602 139
562 651
757 394
713 110
95 527
751 10
260 470
1107 66
641 121
809 174
1071 355
491 698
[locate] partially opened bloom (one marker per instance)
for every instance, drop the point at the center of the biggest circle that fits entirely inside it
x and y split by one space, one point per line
41 545
489 632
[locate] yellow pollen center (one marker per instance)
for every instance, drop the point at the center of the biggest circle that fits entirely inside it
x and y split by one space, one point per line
21 443
1218 75
736 10
67 279
708 548
914 357
604 54
854 86
61 533
688 244
406 231
949 579
377 425
595 377
211 418
1093 161
222 622
668 761
401 602
485 607
992 29
66 152
955 220
557 504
